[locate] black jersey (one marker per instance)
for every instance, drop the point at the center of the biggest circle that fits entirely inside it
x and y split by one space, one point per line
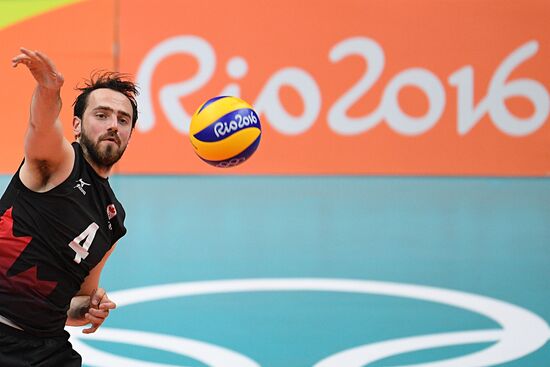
50 241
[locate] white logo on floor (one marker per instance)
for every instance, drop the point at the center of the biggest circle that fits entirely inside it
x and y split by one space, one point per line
517 324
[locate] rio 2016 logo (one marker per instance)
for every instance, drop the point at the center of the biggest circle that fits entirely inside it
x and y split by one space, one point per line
521 332
468 113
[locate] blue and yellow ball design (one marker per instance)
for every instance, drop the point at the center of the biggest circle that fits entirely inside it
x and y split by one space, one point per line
225 131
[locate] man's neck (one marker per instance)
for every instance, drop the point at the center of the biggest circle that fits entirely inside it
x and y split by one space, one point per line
102 171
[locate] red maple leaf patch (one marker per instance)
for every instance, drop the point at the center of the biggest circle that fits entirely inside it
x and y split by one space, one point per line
11 247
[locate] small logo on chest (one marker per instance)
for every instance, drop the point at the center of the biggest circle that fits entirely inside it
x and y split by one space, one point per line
111 211
80 184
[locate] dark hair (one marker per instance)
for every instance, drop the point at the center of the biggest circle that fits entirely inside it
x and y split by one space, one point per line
110 80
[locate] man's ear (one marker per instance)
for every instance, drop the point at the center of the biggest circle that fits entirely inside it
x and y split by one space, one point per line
77 127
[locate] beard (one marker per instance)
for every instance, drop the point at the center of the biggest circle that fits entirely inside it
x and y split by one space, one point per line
104 157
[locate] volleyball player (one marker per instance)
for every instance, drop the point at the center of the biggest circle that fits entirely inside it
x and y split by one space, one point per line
59 218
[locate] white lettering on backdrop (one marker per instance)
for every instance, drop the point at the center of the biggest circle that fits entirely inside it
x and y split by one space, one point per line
389 111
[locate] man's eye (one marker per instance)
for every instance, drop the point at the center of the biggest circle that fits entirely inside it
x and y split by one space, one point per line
100 115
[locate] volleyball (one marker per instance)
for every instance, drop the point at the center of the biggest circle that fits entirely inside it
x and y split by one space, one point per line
225 131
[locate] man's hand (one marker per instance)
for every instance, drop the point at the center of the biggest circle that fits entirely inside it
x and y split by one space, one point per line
41 67
100 305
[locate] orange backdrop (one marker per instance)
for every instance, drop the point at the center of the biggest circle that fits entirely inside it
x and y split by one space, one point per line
79 38
349 87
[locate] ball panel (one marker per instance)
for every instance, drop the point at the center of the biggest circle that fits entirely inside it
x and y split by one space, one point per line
211 100
228 147
213 111
228 125
238 159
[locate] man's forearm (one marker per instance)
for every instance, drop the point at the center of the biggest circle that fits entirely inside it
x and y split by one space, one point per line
78 308
45 107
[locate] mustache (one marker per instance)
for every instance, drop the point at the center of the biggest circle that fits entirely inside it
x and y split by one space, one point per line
109 136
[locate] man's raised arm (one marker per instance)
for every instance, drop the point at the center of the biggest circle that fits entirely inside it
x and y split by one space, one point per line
48 155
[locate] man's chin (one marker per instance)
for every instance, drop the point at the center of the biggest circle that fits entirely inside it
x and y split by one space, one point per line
110 156
104 153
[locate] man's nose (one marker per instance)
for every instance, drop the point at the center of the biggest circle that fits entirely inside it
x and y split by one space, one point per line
113 123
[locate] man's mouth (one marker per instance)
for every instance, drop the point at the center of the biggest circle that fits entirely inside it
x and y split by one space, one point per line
112 139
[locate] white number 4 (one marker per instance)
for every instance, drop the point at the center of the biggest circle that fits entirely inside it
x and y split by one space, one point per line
87 236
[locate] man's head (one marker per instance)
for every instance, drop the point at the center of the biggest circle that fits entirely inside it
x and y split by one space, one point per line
105 114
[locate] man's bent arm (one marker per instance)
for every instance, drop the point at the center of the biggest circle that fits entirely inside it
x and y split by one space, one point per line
91 305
